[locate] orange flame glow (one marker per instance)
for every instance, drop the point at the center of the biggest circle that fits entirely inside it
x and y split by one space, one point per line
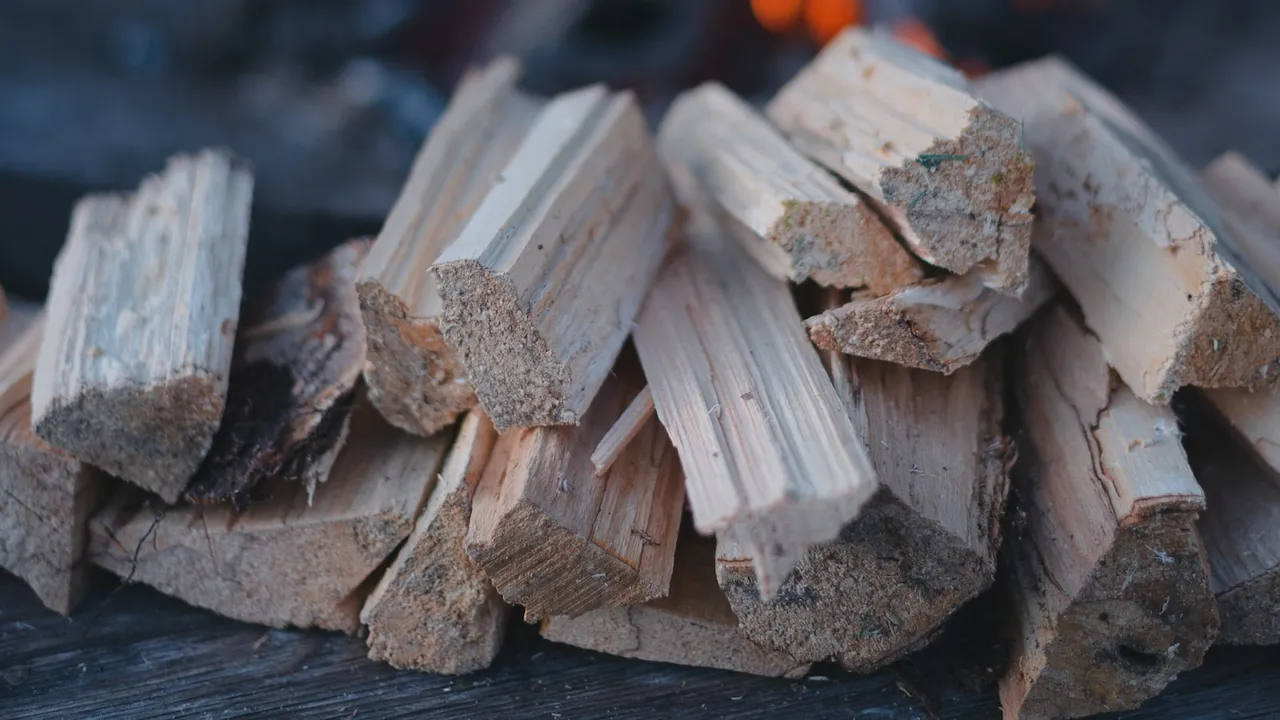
823 19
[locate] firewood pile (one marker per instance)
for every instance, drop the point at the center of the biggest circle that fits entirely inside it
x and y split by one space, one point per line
892 332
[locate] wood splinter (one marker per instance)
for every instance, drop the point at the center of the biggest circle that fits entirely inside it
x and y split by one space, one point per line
541 286
1109 581
414 376
559 539
283 561
792 216
434 610
141 318
948 170
629 424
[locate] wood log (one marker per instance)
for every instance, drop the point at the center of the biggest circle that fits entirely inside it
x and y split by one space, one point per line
1242 495
540 289
283 561
694 625
1136 240
414 376
1109 584
559 539
946 169
629 424
771 458
46 496
300 351
941 324
1252 217
795 219
142 312
926 542
434 610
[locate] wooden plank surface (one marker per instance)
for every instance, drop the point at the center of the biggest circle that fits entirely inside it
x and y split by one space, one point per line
147 656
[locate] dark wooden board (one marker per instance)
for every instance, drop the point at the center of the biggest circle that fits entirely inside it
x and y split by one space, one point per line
149 656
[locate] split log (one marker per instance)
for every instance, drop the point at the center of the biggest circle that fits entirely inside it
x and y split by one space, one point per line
434 610
948 171
1131 234
941 324
1108 581
1251 214
771 458
142 312
629 424
694 625
541 286
300 351
926 542
794 218
1242 494
414 377
46 496
559 539
283 561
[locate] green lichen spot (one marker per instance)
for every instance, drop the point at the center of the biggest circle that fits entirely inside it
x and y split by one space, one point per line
997 178
932 161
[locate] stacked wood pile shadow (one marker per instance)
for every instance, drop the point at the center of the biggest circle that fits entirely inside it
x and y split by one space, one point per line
753 390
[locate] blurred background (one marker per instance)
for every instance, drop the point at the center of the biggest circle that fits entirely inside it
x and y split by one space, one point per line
330 98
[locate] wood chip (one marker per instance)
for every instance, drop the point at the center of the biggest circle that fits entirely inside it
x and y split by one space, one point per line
949 171
629 424
142 312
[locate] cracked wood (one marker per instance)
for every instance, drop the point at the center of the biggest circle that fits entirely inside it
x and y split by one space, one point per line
1135 239
141 318
414 376
946 169
1109 581
541 286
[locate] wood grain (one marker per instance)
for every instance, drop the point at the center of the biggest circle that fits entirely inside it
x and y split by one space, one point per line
142 311
1109 580
414 376
541 286
434 610
795 219
1251 215
947 170
770 456
284 561
629 424
1135 239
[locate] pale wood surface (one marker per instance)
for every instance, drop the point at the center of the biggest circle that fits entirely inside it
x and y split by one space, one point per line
940 324
414 377
796 219
629 424
46 496
142 311
924 545
298 356
1109 580
1242 495
434 610
908 131
541 286
769 454
559 539
283 561
694 625
1133 237
1250 212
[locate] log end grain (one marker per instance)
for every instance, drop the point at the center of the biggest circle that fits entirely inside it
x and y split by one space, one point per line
817 236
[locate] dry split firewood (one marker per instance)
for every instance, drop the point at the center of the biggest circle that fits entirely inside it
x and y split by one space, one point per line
46 496
434 610
694 625
1133 236
925 543
414 376
941 324
949 171
1109 580
771 457
283 560
792 216
300 351
142 312
541 286
559 539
